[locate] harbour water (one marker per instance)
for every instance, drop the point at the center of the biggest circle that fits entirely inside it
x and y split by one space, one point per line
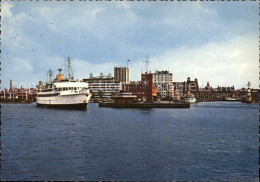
210 141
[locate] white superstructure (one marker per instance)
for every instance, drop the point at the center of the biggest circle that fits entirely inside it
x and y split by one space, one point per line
190 99
65 93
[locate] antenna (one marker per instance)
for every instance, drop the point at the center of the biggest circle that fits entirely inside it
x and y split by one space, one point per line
147 62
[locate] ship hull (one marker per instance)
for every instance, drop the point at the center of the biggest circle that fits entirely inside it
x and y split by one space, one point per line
79 106
78 102
190 100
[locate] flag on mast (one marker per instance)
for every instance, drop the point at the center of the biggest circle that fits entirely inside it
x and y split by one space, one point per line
128 61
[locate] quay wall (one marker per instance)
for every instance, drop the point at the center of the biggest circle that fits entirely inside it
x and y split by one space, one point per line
145 105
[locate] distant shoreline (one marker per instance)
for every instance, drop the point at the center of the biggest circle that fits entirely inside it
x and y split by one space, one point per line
15 102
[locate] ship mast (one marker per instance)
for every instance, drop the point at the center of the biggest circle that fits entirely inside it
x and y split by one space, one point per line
69 64
50 76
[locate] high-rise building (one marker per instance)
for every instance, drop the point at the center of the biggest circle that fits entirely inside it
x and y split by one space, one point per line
163 82
121 74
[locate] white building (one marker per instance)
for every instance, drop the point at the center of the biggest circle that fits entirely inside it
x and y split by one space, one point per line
163 82
103 86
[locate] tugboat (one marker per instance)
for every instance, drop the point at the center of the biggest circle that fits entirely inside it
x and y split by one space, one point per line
65 93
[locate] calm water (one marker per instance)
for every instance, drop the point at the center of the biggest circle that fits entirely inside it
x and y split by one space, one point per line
209 141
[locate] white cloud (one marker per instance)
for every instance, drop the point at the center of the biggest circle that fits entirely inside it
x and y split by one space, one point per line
95 12
231 62
122 26
5 10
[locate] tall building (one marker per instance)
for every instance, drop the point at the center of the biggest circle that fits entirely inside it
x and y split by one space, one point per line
121 74
163 82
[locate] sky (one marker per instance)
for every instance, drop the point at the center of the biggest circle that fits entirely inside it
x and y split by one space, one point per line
215 42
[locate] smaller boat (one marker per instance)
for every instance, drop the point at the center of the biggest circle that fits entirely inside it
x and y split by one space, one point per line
190 98
230 99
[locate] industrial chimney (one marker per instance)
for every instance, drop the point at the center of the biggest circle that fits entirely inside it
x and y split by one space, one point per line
11 84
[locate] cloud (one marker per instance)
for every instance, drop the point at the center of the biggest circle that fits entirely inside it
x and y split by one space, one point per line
95 12
191 39
5 10
231 62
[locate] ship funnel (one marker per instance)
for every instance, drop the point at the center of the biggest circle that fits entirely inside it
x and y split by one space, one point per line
59 76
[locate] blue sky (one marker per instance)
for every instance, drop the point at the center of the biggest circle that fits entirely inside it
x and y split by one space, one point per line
211 41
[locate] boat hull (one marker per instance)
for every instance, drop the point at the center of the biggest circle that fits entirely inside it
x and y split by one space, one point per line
79 106
190 100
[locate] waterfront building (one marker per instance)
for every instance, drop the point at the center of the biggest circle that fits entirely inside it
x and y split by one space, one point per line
124 97
150 90
103 86
208 93
144 89
194 86
182 88
18 94
163 82
121 74
255 94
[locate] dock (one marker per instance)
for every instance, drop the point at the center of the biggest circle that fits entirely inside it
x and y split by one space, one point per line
144 105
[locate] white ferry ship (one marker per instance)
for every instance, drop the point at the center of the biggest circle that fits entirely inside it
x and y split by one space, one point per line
63 93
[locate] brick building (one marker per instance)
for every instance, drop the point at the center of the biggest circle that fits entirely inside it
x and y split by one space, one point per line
145 89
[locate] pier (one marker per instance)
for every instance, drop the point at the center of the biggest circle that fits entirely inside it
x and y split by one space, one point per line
144 105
